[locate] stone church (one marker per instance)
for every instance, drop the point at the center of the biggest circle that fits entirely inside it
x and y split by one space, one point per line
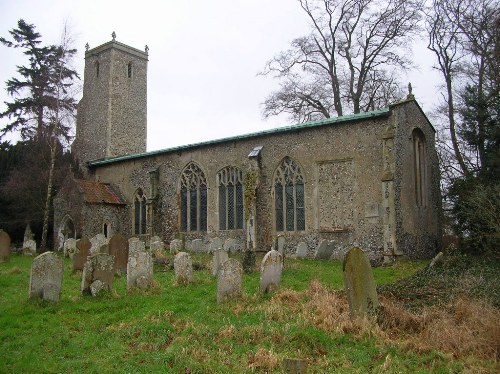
369 180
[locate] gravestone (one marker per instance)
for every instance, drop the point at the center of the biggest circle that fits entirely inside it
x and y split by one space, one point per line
294 366
280 244
359 284
175 246
216 244
28 235
154 239
230 245
323 252
97 242
82 252
229 280
139 270
29 248
302 250
156 246
270 271
197 245
69 247
183 268
4 245
118 247
136 245
104 249
46 277
98 267
220 256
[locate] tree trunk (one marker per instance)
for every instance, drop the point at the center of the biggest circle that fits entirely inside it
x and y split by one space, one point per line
48 199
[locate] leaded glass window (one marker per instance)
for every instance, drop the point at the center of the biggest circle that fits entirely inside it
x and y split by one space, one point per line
289 197
193 199
140 213
230 183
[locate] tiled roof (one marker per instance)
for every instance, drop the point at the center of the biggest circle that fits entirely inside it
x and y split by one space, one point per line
99 193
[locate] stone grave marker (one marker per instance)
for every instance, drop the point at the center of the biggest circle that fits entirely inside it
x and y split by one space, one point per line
154 239
28 234
136 245
118 247
302 250
29 247
4 245
197 245
359 284
280 244
98 274
157 246
216 244
46 277
220 256
97 242
230 245
229 280
175 246
82 252
183 268
323 250
270 271
69 248
139 270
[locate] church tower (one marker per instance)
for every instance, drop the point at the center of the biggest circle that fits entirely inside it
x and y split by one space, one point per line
111 119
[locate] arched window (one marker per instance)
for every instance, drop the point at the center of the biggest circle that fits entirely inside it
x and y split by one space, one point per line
230 184
419 168
289 197
140 213
129 70
193 199
97 69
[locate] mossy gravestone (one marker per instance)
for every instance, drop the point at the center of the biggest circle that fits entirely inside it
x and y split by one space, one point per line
359 284
82 252
46 277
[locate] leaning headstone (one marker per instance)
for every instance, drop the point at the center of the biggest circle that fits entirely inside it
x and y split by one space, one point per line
323 252
229 280
29 248
99 267
270 271
4 245
118 247
136 245
82 252
216 244
230 245
280 244
197 245
97 242
139 270
183 268
46 277
220 256
69 247
359 284
302 250
175 246
294 366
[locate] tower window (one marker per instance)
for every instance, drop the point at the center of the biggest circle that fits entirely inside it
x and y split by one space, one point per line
229 182
193 199
419 168
97 69
129 70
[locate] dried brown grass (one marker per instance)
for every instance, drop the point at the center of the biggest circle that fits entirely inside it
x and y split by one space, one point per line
262 360
15 270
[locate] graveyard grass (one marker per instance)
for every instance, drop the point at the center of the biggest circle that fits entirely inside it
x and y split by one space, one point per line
181 329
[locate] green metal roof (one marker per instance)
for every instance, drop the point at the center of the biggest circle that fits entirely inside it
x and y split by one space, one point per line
307 125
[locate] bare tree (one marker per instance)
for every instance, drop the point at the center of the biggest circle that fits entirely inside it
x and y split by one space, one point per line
348 63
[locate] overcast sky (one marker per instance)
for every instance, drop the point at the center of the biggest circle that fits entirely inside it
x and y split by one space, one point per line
204 57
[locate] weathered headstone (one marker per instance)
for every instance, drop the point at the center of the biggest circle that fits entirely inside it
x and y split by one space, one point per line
46 277
216 244
156 246
136 245
139 270
175 246
104 249
29 248
70 247
197 245
230 245
302 250
4 245
229 280
220 256
97 242
82 252
270 271
98 267
323 252
28 235
359 284
118 247
154 239
294 366
280 244
183 268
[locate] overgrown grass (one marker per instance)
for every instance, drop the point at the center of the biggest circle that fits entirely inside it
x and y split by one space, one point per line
181 329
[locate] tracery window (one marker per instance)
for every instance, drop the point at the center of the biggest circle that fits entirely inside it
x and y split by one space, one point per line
193 199
230 185
140 213
419 168
289 197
